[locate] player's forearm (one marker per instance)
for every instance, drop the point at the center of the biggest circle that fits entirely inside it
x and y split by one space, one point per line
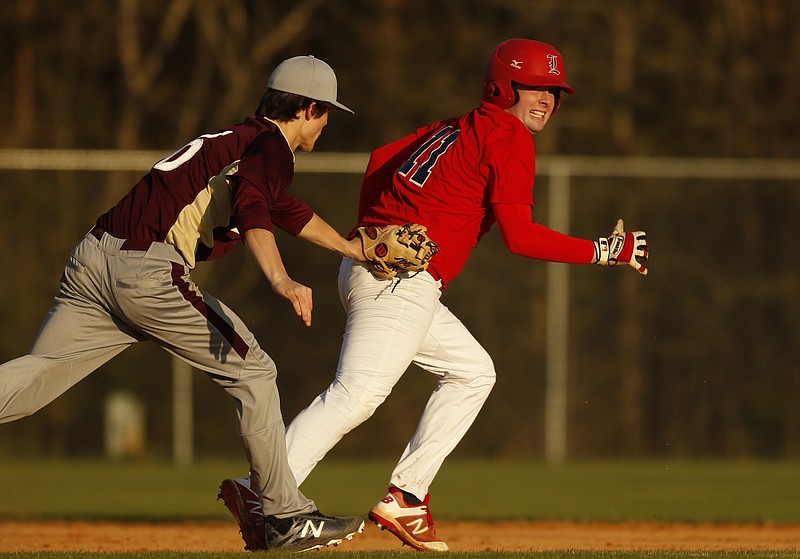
319 232
261 243
524 237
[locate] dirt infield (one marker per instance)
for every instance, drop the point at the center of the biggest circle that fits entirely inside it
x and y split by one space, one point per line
461 536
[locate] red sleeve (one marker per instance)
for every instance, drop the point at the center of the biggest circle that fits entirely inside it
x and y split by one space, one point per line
524 237
510 159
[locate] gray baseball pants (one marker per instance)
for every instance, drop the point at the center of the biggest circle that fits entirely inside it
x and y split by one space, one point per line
115 293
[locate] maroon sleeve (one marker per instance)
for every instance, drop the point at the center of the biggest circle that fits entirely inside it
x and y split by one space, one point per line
259 193
291 214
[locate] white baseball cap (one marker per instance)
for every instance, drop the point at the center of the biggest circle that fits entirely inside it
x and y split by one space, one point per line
306 76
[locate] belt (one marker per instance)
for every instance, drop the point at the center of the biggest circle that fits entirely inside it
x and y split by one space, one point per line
127 244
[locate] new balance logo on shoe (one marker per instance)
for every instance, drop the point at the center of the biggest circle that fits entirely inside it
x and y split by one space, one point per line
418 525
255 507
316 531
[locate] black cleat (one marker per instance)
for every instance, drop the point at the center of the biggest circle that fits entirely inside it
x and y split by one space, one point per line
313 530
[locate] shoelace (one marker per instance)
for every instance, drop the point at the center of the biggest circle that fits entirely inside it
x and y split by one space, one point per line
428 514
430 518
424 506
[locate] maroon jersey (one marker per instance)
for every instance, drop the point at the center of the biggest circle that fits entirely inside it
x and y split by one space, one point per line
205 195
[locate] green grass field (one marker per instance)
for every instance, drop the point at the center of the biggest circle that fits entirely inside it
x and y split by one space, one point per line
611 491
729 492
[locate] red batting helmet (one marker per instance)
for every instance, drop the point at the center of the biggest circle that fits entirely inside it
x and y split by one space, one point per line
522 62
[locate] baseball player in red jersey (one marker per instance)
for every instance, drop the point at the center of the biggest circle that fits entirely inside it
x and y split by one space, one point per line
457 178
128 281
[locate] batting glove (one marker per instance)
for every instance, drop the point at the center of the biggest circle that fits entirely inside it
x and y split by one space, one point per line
622 248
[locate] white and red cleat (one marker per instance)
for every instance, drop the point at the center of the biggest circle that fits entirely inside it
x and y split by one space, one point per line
412 524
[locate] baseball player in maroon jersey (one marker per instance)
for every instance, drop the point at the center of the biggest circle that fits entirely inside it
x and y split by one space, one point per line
457 178
128 281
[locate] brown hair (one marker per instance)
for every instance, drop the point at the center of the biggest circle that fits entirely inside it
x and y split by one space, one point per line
283 107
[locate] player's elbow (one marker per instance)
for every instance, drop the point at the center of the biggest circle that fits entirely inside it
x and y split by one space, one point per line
516 236
515 246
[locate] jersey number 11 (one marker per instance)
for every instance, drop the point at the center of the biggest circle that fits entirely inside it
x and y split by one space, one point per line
421 162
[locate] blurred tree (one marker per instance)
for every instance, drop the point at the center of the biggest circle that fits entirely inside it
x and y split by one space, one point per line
24 59
699 358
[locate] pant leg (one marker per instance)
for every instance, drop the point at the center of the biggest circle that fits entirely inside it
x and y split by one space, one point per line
77 336
467 376
159 298
386 323
258 409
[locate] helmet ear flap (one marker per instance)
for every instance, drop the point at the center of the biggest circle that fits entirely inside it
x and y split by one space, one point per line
499 93
490 89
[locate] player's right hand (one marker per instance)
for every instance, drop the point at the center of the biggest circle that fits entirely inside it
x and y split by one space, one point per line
623 248
298 295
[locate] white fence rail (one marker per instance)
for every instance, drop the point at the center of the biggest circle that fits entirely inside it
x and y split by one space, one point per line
340 162
558 171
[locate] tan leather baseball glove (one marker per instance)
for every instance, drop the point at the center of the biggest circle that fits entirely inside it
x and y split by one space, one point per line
395 249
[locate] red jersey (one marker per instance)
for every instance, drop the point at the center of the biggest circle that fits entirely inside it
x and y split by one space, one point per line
205 195
448 177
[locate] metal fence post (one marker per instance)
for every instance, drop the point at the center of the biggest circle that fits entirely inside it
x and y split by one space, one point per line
557 347
182 420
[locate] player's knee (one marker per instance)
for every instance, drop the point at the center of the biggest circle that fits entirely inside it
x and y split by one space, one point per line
360 402
360 412
259 364
483 374
487 379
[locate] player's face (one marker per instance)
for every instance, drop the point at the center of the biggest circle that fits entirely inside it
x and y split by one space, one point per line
311 130
535 106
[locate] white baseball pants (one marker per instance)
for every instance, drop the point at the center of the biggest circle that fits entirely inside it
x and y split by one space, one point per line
391 324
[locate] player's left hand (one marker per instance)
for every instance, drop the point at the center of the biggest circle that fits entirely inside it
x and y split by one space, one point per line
299 295
622 247
356 247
